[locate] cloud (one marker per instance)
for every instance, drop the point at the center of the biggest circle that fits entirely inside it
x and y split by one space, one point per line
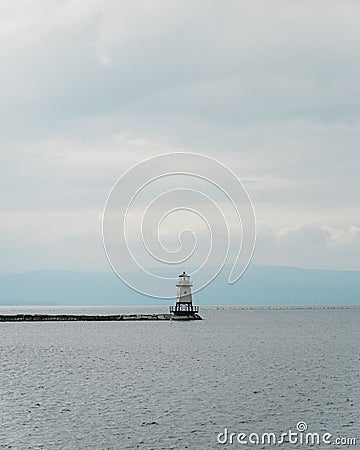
234 60
309 246
62 239
308 235
90 88
349 236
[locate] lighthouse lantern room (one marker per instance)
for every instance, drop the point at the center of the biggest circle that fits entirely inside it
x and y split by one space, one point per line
184 305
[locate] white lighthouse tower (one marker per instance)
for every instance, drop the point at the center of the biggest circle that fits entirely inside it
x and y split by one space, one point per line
184 306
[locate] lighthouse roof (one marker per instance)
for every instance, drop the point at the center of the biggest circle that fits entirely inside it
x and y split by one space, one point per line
183 274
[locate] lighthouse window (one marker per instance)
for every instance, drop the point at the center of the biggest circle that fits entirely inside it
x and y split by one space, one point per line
184 292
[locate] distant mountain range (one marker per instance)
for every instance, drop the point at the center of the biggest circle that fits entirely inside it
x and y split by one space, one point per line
267 285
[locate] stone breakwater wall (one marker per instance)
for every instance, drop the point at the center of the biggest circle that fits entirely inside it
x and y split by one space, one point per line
92 318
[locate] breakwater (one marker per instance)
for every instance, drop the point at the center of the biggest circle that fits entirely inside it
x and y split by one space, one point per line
93 318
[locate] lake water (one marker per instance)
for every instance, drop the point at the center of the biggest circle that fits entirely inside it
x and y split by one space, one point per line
163 385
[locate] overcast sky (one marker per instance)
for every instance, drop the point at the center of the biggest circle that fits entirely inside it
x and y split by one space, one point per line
89 88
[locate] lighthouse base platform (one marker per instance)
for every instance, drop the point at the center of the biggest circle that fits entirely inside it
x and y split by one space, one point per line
185 317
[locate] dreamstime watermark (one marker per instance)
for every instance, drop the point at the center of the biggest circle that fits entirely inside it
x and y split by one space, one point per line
177 211
300 437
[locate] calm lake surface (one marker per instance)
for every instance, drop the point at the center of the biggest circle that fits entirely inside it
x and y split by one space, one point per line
163 385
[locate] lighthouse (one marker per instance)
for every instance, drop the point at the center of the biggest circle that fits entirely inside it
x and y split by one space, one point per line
184 306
